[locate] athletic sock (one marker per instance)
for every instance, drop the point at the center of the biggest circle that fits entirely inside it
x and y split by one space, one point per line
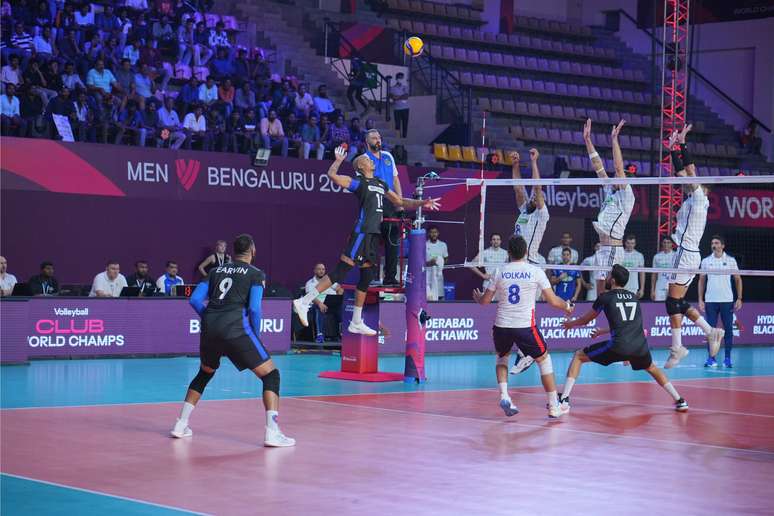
309 297
186 412
271 419
702 323
504 390
568 385
553 399
357 314
671 390
677 340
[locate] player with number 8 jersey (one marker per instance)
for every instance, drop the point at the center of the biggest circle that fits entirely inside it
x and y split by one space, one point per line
515 287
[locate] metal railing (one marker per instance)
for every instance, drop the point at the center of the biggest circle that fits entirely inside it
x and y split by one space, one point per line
377 86
698 75
453 97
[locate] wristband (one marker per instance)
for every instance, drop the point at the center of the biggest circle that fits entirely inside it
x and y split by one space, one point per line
593 155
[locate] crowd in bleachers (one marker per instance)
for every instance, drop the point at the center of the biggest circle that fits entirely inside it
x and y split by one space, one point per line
166 73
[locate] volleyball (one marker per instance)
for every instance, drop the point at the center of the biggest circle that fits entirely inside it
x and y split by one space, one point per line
413 46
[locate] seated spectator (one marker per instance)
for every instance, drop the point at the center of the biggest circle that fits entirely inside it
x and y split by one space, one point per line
555 254
208 92
310 138
62 105
31 108
244 98
107 21
53 76
137 5
108 283
242 66
168 119
325 129
195 125
222 66
567 284
356 138
125 79
150 120
43 15
261 70
92 49
185 42
71 79
35 80
169 279
339 133
100 80
11 73
216 259
319 308
287 101
202 52
216 127
84 17
124 24
233 140
219 38
70 50
44 45
141 29
272 133
251 126
189 94
112 52
151 57
163 33
304 102
12 122
144 86
65 18
751 144
85 127
226 96
141 278
293 132
322 103
21 42
7 281
105 118
130 121
44 284
165 7
132 51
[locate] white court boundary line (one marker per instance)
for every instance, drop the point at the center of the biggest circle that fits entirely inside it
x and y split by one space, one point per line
102 493
549 425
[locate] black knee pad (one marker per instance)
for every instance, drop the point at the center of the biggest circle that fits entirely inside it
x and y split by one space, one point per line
340 272
676 306
200 381
271 382
367 274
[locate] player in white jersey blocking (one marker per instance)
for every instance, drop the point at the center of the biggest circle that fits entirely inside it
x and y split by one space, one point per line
515 288
531 224
689 228
615 211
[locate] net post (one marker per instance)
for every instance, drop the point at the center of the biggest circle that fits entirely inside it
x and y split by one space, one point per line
416 308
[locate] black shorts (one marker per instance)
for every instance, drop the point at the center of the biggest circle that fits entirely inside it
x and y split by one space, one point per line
528 340
363 247
603 354
245 352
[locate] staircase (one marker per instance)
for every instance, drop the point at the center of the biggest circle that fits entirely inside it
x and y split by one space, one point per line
280 27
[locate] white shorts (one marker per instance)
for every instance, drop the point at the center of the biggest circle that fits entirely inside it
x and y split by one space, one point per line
607 256
684 259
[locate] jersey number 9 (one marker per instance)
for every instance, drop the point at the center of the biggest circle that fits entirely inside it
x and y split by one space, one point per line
224 287
513 295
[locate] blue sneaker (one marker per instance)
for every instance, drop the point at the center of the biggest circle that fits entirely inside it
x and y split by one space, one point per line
508 407
727 363
319 339
711 362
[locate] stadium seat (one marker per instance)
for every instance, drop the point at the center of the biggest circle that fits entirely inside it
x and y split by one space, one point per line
469 155
440 152
454 153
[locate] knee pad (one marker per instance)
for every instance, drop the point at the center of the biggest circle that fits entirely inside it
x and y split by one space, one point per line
339 272
546 366
271 382
676 306
503 361
200 381
366 275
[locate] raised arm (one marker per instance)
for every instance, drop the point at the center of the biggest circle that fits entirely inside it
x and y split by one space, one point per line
520 191
342 181
477 270
537 190
596 161
617 155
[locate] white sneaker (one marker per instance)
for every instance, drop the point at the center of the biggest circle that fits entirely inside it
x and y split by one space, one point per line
301 310
714 338
508 407
276 439
555 411
564 404
675 355
361 328
522 365
181 430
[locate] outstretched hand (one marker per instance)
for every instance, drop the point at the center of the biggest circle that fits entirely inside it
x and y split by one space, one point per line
684 132
432 204
534 154
617 129
587 130
515 158
477 295
341 153
673 139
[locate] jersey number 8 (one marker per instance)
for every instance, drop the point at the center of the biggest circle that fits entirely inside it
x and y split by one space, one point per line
513 295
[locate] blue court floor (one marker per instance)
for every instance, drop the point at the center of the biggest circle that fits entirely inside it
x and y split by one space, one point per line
63 383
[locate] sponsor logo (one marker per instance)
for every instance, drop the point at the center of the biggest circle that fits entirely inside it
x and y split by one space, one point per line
187 172
764 325
345 358
71 312
451 329
268 325
67 331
